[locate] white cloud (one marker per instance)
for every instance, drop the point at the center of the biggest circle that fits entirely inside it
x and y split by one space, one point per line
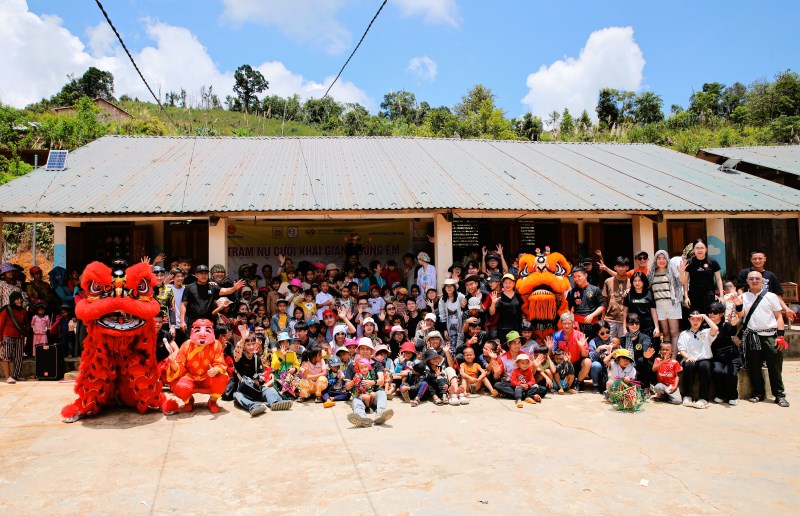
423 66
42 53
303 20
101 39
431 11
610 59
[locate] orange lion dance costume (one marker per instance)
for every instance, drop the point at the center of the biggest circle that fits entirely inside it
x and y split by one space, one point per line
543 280
199 366
118 364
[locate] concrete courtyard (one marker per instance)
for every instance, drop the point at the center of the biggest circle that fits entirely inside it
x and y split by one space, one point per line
570 454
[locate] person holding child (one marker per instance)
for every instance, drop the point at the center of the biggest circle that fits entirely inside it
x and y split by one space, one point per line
372 383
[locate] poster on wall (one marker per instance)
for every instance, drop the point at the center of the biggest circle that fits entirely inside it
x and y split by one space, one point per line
315 241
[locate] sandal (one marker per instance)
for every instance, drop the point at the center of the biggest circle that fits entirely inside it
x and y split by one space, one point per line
782 402
755 399
415 402
437 400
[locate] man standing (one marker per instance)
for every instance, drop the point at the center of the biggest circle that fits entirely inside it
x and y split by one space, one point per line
198 298
771 282
762 338
585 301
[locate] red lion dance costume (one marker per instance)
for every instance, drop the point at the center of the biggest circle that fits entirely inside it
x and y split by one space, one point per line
199 366
118 364
543 280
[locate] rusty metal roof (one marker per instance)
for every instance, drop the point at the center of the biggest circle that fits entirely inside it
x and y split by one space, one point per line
196 175
785 158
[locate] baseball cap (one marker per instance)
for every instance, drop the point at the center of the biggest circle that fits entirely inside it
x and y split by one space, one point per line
510 276
512 335
201 268
495 276
430 316
474 303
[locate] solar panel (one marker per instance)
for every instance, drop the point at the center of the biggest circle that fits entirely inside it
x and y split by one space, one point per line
56 160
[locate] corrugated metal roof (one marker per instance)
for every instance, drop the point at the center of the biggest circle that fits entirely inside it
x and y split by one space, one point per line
194 175
785 158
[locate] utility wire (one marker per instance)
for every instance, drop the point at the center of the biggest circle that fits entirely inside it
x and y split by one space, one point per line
158 101
354 50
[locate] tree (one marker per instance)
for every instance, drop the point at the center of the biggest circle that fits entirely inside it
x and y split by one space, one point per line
552 119
732 97
529 127
647 108
584 122
567 127
93 83
399 106
248 83
355 119
707 102
324 113
607 109
472 102
441 122
626 106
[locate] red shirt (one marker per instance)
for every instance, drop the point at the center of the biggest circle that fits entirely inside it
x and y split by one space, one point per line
518 377
570 345
668 371
7 328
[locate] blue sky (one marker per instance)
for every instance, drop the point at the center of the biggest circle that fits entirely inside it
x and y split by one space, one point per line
575 47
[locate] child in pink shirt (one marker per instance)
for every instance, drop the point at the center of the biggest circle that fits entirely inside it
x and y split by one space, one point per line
41 325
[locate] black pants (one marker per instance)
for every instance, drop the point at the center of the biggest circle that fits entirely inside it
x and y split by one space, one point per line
726 377
700 369
508 390
774 359
644 372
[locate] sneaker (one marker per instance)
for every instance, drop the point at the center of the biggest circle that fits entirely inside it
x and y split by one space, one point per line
782 402
329 403
10 380
281 405
358 421
529 400
688 401
700 404
717 400
454 401
596 390
519 404
733 403
319 399
462 398
384 416
258 408
406 396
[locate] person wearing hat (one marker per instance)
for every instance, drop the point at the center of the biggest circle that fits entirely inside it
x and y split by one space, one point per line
14 327
336 382
471 336
248 365
456 272
506 363
762 338
280 321
382 355
592 272
425 326
247 273
614 290
492 317
165 295
219 276
426 274
620 365
330 319
39 291
575 344
284 360
378 398
585 301
198 298
523 380
694 350
415 387
493 261
450 311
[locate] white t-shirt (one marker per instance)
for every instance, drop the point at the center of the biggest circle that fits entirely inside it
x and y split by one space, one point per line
322 297
764 316
696 345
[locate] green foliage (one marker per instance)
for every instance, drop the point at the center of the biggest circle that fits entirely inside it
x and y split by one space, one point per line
18 236
529 127
607 109
567 127
399 106
248 83
647 108
786 129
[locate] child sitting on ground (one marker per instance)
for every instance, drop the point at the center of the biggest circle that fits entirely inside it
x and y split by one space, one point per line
667 379
443 380
473 376
314 370
489 353
547 369
565 372
620 365
523 380
415 384
382 356
364 371
336 383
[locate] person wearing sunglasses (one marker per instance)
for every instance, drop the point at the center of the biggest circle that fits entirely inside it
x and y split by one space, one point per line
599 349
762 338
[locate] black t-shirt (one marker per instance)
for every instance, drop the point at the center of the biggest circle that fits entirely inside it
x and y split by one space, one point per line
771 282
161 351
509 310
584 301
701 275
411 325
199 301
246 367
723 347
640 304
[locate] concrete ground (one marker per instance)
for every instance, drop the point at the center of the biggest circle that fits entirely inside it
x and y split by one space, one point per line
570 454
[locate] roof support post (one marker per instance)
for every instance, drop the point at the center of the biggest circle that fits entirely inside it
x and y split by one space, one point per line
218 242
643 234
60 242
715 237
442 246
2 240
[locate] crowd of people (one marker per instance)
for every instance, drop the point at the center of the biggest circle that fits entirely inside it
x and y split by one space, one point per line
368 333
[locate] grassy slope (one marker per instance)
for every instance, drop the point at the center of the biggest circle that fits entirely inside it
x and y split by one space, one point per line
222 122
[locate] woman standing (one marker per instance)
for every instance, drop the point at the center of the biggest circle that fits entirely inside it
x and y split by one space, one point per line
13 329
667 288
508 304
702 277
639 300
450 311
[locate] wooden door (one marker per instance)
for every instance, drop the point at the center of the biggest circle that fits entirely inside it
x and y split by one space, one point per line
680 233
568 245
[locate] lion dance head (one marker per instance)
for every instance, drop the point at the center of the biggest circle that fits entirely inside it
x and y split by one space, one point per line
543 280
